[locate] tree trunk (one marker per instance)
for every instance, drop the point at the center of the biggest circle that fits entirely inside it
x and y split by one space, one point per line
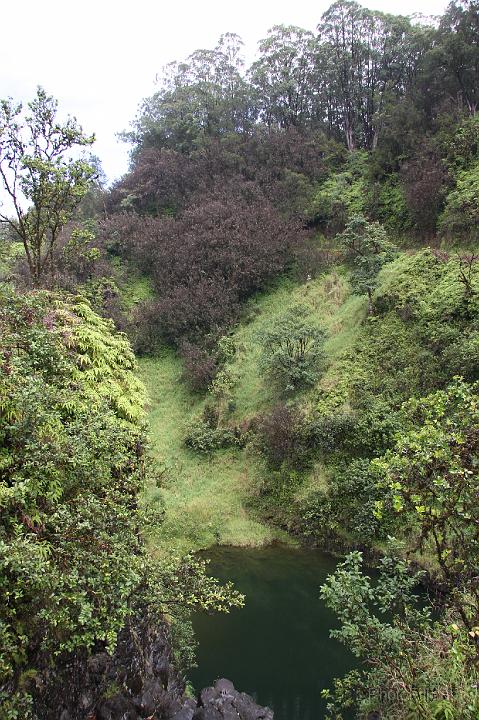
349 138
370 302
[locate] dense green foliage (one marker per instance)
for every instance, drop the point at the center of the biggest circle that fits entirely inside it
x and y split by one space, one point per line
422 333
341 196
414 667
367 243
73 565
292 350
461 212
430 475
269 247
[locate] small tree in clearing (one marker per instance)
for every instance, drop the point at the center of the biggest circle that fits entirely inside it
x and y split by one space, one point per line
43 182
292 353
367 243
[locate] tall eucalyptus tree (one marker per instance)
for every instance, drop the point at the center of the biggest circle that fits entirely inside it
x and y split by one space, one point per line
457 52
283 77
367 59
204 96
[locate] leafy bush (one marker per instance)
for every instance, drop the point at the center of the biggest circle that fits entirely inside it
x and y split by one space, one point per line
424 329
204 439
280 165
204 435
345 509
411 667
425 181
374 425
330 432
283 437
368 245
461 213
387 204
203 367
292 349
414 666
431 475
341 196
72 444
199 367
460 145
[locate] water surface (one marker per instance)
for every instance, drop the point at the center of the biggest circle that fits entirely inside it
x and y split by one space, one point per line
277 648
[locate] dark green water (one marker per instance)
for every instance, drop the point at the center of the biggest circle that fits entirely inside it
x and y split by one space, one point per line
277 648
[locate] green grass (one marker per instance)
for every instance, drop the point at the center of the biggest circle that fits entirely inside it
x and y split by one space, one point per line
332 307
207 499
134 287
204 497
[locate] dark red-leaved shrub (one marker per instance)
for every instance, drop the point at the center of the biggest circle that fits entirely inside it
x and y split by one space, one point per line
283 437
204 263
160 182
425 180
200 366
279 163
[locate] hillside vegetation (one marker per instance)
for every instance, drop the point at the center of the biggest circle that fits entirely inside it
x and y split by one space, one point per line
304 459
293 258
210 498
422 333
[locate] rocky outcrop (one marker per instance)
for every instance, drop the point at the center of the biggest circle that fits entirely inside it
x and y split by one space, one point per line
138 682
223 702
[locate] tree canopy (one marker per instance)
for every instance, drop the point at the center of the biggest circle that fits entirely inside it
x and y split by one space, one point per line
43 182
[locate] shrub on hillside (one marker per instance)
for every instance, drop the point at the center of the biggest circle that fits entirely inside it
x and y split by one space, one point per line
72 444
205 435
367 244
191 312
346 508
330 432
429 481
159 183
374 424
413 662
280 165
205 263
432 299
204 439
340 196
283 437
387 204
425 179
461 212
292 349
461 146
199 367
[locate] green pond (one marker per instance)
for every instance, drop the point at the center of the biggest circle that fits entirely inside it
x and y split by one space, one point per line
277 648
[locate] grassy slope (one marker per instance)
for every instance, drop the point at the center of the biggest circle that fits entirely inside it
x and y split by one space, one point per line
133 286
206 499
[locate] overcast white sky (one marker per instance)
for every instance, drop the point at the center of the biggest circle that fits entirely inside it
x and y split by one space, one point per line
99 58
